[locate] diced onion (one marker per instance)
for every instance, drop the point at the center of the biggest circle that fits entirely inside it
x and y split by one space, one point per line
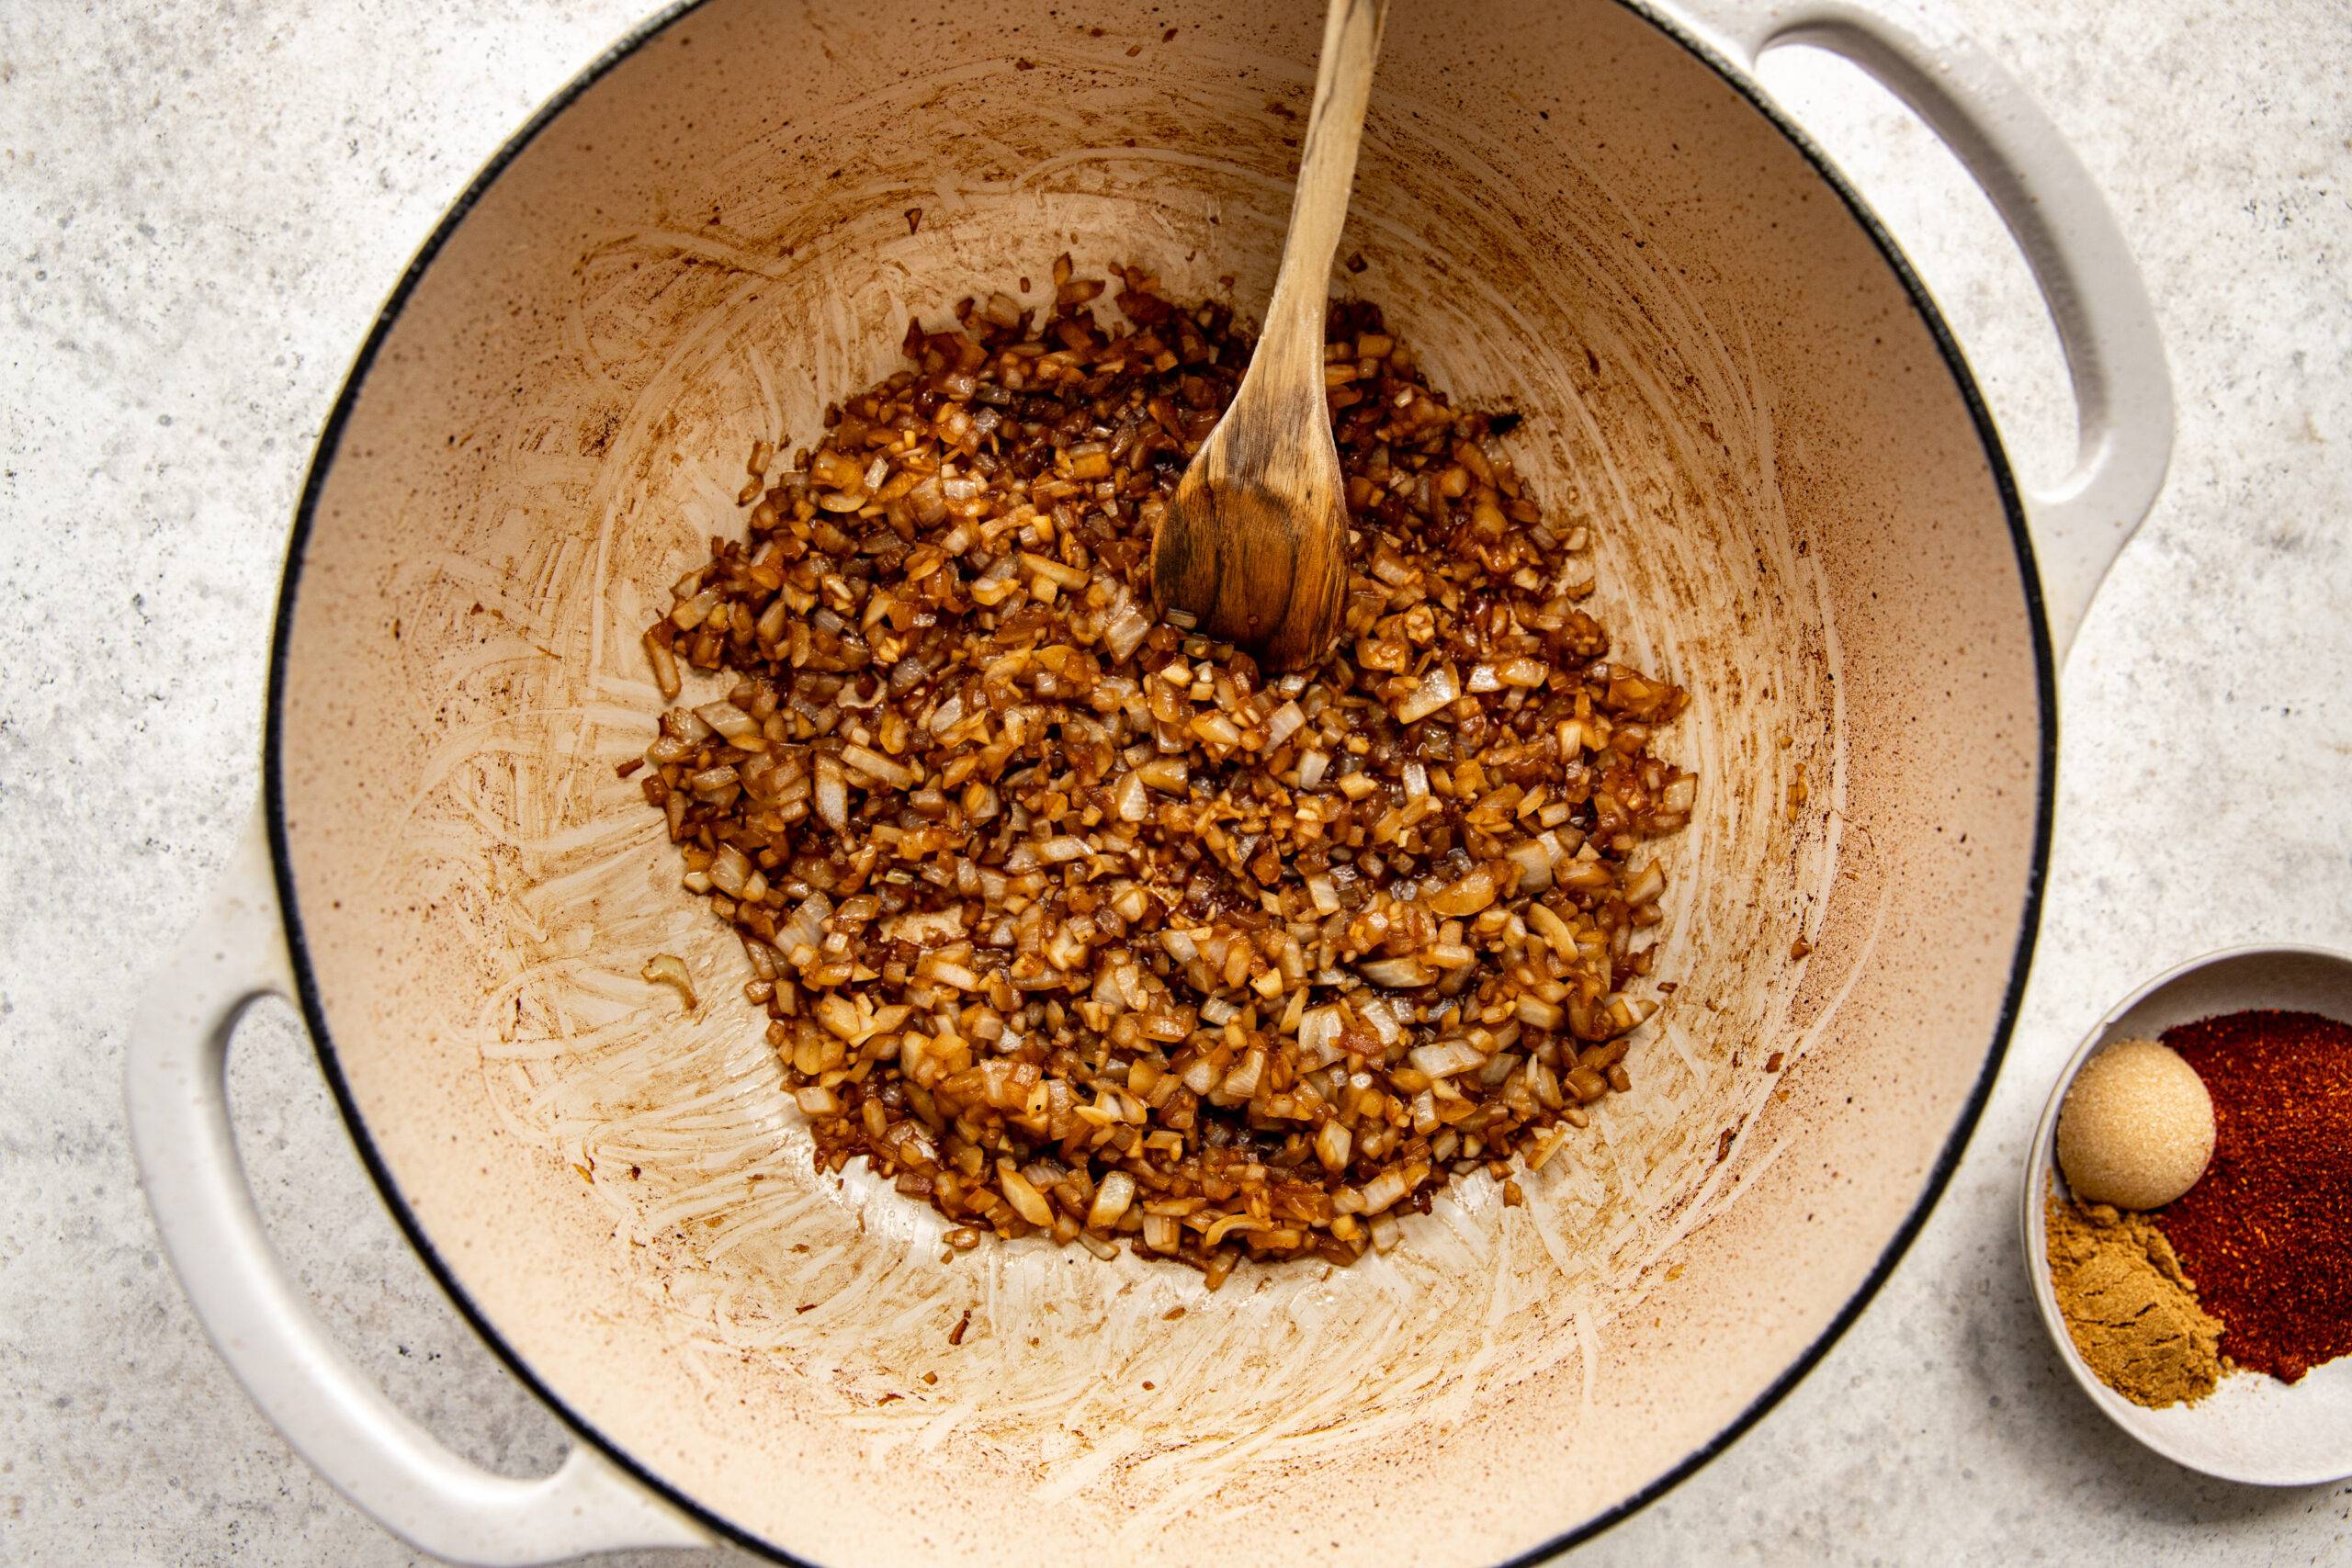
1127 798
1436 689
667 968
665 666
1230 1223
1026 1200
1383 1192
730 870
1537 1013
729 720
1319 1036
807 926
1400 974
1446 1058
1242 1081
1123 632
1533 859
875 765
1112 1200
1067 916
832 794
1469 895
1166 774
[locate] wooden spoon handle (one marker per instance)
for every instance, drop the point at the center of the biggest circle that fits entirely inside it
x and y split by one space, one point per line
1327 172
1253 546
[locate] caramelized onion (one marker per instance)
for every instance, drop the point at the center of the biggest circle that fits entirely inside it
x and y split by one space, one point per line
1074 923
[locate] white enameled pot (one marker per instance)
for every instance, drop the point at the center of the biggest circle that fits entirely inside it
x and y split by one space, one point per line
1798 508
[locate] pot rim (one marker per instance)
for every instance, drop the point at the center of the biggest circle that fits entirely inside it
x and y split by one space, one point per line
1939 1174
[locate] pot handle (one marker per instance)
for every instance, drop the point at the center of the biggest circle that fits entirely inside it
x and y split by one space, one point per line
2105 325
332 1415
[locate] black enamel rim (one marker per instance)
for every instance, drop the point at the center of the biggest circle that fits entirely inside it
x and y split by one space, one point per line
1938 1177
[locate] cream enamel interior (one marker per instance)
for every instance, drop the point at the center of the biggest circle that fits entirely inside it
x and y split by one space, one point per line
1791 512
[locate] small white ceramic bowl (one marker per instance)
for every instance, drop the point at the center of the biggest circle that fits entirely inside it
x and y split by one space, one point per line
2252 1428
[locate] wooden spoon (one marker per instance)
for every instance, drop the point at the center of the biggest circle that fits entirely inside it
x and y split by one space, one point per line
1254 544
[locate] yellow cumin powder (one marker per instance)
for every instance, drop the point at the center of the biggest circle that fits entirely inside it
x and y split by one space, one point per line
2129 1308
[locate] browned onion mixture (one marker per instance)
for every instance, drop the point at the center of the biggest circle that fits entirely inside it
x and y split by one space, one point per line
1072 922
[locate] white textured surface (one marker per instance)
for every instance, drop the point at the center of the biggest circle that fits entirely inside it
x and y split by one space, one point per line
203 204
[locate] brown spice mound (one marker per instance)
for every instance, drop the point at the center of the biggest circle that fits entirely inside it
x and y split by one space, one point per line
1068 921
2129 1308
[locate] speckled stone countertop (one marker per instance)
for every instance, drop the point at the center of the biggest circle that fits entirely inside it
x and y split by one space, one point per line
203 203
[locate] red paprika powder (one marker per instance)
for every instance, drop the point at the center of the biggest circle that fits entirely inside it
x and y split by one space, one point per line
2267 1234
